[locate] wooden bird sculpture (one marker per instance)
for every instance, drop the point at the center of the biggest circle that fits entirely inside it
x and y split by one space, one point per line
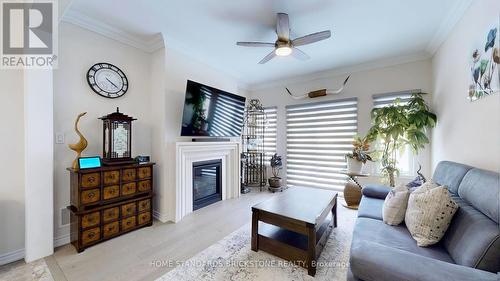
80 145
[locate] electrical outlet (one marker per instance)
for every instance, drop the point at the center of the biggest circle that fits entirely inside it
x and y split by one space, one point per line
59 138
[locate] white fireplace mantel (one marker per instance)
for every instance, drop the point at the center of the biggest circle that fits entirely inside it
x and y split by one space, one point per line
187 153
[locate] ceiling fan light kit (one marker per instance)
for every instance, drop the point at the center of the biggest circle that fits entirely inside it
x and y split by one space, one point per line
284 46
283 51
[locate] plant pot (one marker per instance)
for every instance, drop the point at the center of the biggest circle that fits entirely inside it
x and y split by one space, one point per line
353 165
275 182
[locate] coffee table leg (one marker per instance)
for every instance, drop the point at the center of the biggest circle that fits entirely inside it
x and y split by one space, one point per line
334 213
311 251
255 230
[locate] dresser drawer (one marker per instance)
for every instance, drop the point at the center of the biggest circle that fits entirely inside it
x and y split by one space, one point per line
128 174
91 219
129 188
144 218
90 180
144 185
128 209
110 192
110 229
144 172
128 223
90 235
111 177
90 196
144 205
110 214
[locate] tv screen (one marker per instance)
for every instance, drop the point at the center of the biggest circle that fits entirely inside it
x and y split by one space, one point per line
211 112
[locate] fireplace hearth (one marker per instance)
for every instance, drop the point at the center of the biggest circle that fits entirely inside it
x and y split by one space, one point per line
206 183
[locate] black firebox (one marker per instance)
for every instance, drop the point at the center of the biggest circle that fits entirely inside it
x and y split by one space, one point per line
206 183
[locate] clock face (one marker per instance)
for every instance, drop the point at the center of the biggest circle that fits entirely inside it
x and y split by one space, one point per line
107 80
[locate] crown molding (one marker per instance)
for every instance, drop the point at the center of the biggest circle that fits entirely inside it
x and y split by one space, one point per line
341 71
447 25
120 35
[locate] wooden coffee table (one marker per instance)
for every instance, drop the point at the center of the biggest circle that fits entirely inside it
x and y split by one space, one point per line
295 225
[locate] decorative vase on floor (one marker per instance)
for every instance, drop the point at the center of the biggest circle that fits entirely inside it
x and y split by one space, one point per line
354 165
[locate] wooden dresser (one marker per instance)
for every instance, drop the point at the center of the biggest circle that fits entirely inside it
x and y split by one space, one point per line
109 201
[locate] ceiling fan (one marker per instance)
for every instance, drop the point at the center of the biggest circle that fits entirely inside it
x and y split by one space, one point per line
284 46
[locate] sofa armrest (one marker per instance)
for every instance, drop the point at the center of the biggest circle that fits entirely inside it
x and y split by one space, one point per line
376 191
372 261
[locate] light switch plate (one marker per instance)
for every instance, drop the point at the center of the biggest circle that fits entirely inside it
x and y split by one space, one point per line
59 138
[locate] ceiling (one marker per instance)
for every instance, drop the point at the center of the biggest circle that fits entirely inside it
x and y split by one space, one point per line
362 31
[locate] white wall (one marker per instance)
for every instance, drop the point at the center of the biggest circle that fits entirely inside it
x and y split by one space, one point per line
362 84
467 132
79 50
168 104
12 166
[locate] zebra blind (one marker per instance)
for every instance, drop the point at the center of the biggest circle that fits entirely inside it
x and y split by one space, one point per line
318 137
270 132
382 100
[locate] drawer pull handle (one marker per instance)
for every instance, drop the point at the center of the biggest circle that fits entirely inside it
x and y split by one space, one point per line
129 222
111 228
91 179
91 235
91 194
111 214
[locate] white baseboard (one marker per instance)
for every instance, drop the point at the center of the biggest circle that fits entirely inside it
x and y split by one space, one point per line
11 256
61 240
159 216
19 254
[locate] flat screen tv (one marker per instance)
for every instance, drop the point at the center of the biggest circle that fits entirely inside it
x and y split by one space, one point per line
210 112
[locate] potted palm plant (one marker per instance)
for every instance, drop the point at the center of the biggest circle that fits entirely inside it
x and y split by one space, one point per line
359 155
398 125
275 182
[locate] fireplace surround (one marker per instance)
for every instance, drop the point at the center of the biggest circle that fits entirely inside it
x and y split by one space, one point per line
188 153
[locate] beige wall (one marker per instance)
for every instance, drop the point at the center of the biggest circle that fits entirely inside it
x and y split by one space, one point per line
362 84
467 132
79 50
12 164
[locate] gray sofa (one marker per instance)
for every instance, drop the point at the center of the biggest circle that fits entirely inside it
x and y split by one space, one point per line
470 249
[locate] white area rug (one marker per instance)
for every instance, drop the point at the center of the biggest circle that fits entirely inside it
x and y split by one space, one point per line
21 271
232 259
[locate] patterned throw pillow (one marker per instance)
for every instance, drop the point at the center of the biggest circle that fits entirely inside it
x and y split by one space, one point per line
394 208
429 213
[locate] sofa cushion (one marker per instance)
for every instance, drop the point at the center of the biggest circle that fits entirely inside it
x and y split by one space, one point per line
473 239
481 189
370 261
376 191
450 174
370 208
396 237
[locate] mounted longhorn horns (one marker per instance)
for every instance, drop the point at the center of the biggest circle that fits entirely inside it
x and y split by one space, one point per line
319 93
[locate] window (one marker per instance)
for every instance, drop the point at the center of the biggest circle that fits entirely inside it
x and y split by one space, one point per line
318 137
270 132
406 159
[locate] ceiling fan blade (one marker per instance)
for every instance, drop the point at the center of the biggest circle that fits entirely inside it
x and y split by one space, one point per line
283 27
255 44
268 57
298 54
311 38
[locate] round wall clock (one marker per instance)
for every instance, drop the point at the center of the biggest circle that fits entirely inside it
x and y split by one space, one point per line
107 80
